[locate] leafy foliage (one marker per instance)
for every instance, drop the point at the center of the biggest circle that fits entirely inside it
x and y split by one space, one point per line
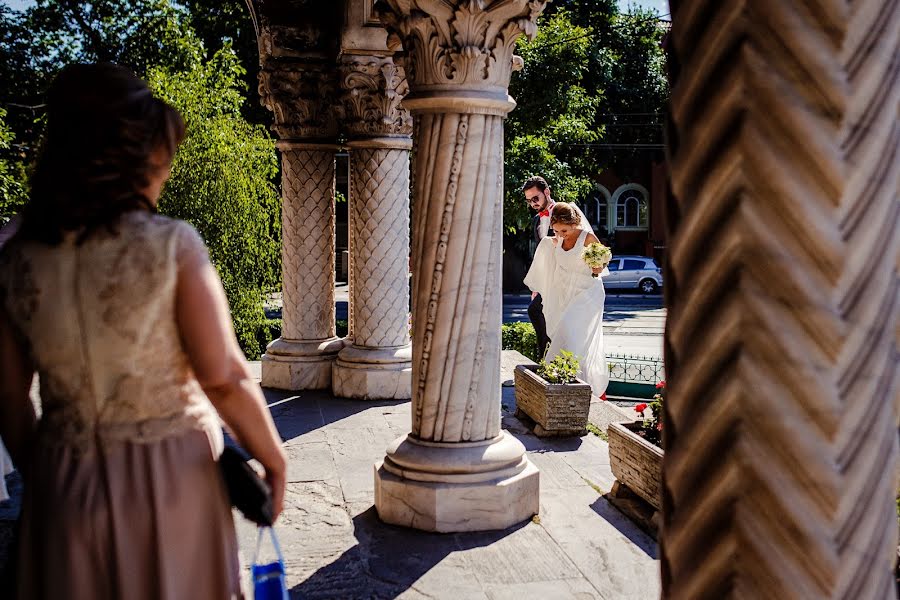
553 112
589 98
12 177
652 426
222 183
562 369
520 337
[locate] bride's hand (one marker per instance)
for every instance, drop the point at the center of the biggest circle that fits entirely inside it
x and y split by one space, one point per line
597 270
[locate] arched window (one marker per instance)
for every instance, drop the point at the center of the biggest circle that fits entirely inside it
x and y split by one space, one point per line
632 211
596 209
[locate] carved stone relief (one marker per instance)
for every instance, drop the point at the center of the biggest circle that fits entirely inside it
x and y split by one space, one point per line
371 90
302 97
461 43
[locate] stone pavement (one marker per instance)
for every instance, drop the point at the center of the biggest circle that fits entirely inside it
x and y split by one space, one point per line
335 546
579 546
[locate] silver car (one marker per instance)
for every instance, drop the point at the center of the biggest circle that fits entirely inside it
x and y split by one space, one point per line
634 272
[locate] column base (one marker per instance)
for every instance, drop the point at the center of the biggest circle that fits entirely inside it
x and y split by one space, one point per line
299 365
454 487
373 373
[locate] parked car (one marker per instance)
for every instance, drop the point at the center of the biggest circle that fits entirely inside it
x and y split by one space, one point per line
634 272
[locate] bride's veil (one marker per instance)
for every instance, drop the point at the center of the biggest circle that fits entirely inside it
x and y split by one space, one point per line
586 226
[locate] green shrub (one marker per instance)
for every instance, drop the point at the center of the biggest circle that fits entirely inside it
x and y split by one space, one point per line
520 337
222 183
562 369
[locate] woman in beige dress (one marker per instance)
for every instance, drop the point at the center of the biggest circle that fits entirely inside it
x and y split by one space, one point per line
121 314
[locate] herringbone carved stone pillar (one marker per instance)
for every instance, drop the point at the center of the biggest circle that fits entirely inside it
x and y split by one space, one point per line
378 365
302 357
456 470
781 349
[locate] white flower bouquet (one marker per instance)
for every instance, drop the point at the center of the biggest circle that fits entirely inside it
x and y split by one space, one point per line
596 255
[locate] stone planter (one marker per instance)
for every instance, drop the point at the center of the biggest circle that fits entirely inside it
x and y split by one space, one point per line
635 462
556 408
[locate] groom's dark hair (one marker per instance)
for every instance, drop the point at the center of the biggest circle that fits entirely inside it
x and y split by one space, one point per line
537 181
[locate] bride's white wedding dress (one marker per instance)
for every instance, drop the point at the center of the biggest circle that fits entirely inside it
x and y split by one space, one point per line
573 307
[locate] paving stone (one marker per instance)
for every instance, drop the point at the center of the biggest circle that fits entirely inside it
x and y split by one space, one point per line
612 553
563 589
523 555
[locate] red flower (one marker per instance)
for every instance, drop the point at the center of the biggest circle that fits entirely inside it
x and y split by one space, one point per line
640 407
661 385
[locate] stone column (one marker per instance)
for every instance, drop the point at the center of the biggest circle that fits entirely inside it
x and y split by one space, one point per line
300 94
456 470
378 364
782 293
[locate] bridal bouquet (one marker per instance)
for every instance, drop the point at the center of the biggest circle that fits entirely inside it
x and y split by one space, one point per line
596 255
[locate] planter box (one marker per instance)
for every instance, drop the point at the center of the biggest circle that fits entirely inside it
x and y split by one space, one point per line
636 462
556 408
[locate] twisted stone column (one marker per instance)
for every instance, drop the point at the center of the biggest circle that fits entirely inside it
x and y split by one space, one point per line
378 364
781 451
300 95
456 470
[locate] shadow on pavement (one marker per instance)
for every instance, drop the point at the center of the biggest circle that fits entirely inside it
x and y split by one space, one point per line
298 413
615 518
387 560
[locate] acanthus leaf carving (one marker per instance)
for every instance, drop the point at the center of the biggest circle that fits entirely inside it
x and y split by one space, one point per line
460 42
371 89
302 96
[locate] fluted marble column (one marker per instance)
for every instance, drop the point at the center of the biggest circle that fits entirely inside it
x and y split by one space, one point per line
300 94
456 470
378 364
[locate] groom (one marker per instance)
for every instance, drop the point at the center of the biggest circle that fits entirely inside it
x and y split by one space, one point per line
537 195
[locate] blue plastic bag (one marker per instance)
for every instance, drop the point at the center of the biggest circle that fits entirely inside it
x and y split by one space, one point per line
268 579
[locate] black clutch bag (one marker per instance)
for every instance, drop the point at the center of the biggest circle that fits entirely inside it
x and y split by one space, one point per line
247 491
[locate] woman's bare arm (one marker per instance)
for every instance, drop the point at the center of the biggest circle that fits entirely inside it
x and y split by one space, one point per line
17 418
588 240
205 325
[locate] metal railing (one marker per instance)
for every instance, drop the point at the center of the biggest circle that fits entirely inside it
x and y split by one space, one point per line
632 368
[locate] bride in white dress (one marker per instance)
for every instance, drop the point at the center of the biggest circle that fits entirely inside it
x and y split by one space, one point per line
573 298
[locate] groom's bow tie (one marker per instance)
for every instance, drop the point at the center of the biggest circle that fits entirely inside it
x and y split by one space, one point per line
544 213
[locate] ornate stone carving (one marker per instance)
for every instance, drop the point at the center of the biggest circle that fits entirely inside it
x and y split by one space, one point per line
379 222
781 351
301 358
308 248
372 88
378 364
466 43
302 96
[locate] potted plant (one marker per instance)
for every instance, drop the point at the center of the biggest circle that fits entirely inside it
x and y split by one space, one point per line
635 452
552 396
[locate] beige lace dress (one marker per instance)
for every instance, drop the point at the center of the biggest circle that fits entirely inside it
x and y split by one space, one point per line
124 499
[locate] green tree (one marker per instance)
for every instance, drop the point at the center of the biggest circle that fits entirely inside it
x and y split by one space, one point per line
554 114
222 183
12 176
590 97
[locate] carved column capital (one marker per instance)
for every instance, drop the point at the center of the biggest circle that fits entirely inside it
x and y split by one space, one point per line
371 90
460 48
302 96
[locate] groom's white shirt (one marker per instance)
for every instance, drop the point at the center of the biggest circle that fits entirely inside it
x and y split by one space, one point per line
544 224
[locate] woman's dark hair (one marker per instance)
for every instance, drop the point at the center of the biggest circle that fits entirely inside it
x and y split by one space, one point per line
563 213
103 125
